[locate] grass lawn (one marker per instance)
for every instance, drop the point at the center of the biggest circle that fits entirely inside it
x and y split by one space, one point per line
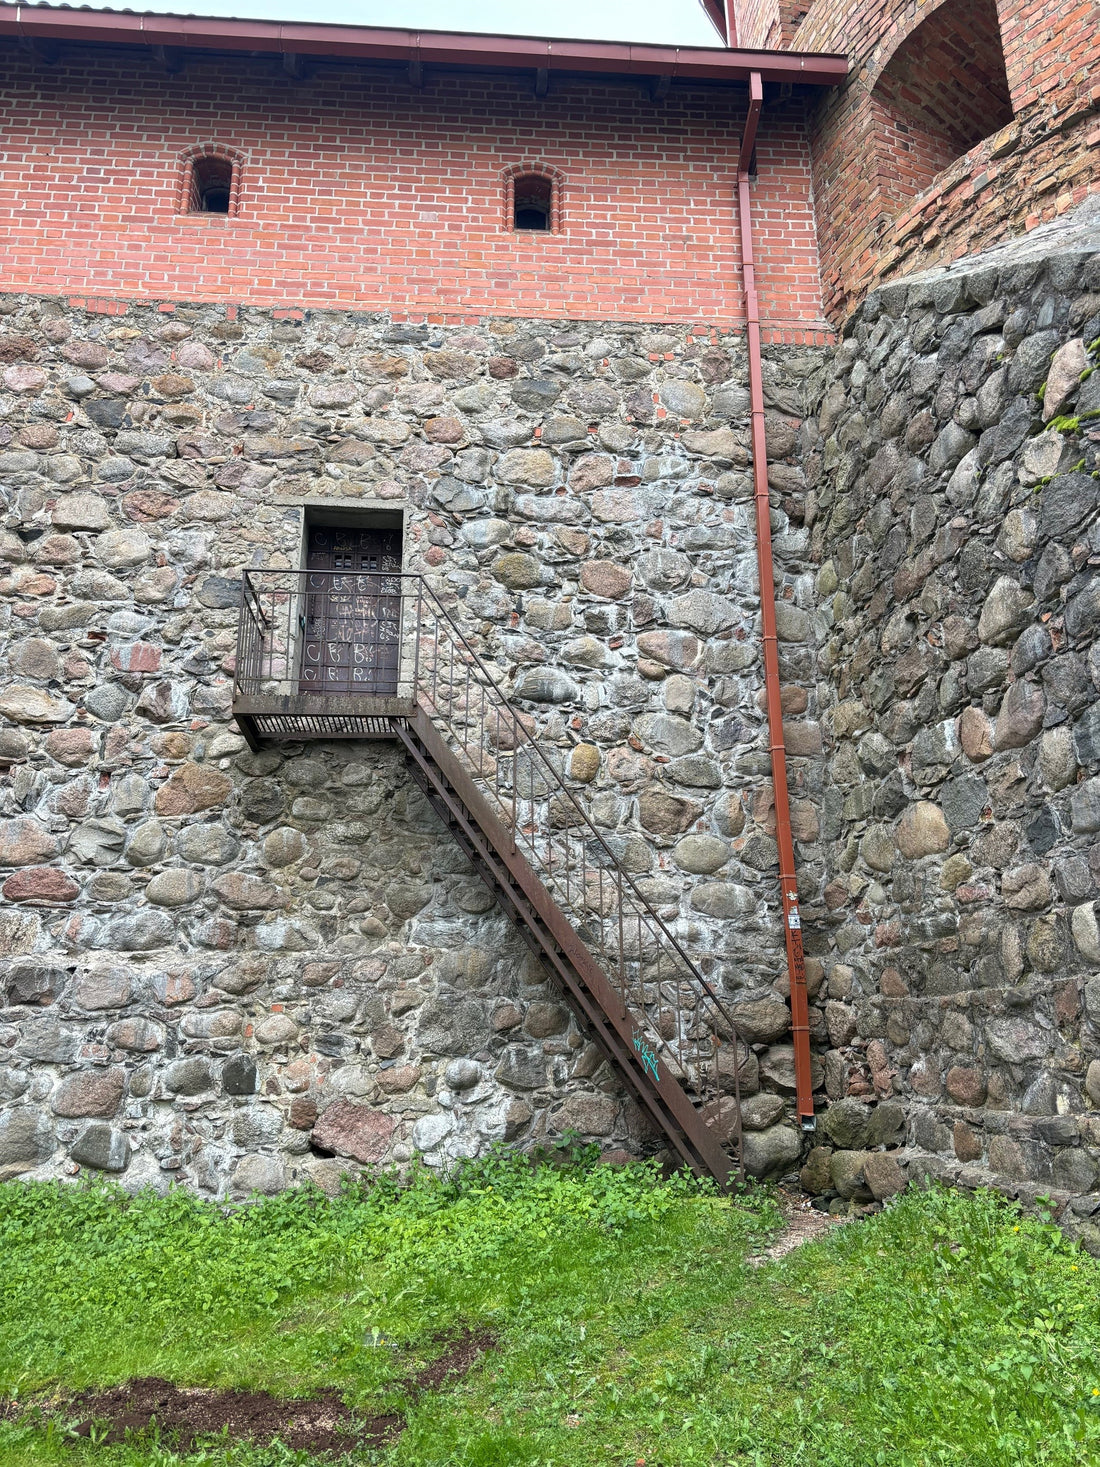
947 1329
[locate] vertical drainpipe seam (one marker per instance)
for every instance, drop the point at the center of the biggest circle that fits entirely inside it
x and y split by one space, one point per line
788 886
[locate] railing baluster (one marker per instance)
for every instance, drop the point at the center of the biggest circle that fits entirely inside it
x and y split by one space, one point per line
434 665
515 778
466 712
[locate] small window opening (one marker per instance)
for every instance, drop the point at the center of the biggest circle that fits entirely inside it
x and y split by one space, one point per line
209 181
532 202
211 186
531 196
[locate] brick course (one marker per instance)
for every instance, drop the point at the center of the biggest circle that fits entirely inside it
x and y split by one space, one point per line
359 191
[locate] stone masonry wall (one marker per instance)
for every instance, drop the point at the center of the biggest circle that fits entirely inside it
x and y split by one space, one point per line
959 603
241 970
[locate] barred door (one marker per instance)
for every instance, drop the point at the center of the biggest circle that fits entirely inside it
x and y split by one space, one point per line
352 612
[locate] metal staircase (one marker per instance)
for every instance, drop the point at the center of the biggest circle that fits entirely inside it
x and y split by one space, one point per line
507 801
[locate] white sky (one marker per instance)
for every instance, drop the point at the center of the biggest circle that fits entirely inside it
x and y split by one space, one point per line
669 22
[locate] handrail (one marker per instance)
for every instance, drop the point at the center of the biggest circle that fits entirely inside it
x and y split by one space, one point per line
393 633
568 793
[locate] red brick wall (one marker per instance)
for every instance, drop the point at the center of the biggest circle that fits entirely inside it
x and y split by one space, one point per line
769 24
889 201
758 23
358 191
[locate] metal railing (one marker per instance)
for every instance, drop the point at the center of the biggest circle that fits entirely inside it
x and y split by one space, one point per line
418 651
331 633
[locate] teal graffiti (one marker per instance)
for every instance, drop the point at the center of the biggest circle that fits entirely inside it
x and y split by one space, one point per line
647 1056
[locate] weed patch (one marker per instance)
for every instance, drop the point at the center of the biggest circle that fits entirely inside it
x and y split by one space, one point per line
626 1322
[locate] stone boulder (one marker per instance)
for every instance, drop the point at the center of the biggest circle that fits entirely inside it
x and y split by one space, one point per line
22 704
665 814
191 788
703 612
1020 717
89 1093
260 1174
102 1148
26 1140
772 1152
24 842
759 1112
590 1114
922 831
814 1176
353 1130
701 855
882 1174
761 1021
188 1076
44 885
846 1173
847 1123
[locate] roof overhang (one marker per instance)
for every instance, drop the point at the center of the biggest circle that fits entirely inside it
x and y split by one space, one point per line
43 25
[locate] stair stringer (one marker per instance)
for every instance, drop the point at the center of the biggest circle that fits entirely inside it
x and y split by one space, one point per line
530 904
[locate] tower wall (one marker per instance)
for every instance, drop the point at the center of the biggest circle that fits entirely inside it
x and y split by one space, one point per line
957 618
1034 160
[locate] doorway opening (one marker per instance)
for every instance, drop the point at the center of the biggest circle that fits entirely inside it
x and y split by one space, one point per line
351 608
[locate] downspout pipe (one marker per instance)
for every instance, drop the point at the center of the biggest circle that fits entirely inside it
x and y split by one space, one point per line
788 886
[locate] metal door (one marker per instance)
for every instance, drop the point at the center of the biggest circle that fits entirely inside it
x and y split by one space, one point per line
351 621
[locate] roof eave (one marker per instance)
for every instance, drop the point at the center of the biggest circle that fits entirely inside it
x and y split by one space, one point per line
685 63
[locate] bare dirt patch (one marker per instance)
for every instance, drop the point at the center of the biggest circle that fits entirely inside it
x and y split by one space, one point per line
455 1362
323 1423
802 1224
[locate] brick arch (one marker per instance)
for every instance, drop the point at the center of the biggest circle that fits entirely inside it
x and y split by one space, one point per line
869 32
508 178
186 174
939 91
911 16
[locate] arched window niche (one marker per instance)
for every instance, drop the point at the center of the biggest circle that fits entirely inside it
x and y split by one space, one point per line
532 199
210 181
943 91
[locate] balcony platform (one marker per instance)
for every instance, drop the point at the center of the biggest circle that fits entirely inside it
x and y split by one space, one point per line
267 717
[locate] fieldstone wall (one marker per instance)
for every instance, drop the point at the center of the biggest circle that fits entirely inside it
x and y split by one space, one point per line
958 604
241 970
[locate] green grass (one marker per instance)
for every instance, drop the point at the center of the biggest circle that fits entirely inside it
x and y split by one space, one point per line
946 1330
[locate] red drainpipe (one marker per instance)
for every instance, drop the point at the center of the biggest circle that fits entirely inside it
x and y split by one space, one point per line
792 921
